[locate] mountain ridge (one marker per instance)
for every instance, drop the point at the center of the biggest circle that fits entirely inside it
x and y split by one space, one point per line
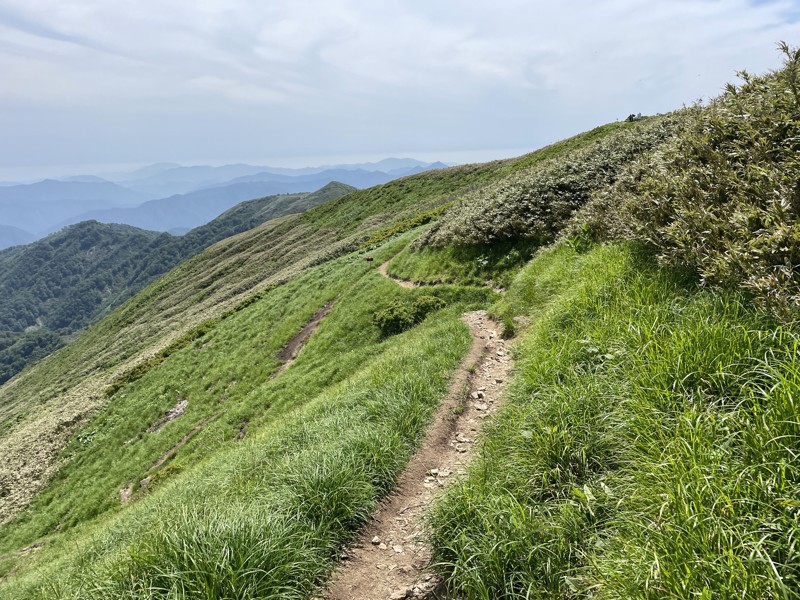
37 206
188 445
167 197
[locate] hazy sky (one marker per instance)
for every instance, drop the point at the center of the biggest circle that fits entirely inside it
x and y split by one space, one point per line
90 82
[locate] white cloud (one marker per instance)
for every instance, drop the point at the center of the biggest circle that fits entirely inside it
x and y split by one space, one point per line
365 65
238 91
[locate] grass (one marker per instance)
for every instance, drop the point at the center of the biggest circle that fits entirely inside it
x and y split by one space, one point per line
264 519
42 408
50 401
324 440
648 448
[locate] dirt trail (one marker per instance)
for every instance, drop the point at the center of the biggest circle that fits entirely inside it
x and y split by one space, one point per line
290 351
412 284
172 414
390 559
401 282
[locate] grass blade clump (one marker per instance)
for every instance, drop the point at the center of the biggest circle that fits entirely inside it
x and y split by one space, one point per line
466 265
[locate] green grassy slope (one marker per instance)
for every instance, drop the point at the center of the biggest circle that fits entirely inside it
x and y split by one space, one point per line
54 403
347 379
50 402
647 448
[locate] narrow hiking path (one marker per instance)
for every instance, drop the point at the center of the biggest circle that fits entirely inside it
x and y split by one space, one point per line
390 559
292 348
401 282
383 270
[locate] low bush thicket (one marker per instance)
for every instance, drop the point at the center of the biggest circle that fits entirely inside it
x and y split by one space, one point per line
534 204
401 314
722 199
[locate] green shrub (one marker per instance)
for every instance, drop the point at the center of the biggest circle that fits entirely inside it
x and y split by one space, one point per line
722 199
400 315
424 305
582 240
395 318
535 203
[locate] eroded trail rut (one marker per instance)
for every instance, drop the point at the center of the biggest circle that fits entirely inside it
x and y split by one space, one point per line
390 559
290 351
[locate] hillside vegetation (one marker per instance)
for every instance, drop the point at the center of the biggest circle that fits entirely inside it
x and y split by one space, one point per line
647 448
58 285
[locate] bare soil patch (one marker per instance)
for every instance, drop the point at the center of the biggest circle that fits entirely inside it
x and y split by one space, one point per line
126 493
182 442
172 414
290 351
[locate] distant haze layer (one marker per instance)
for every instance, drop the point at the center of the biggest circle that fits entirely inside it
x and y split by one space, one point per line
170 197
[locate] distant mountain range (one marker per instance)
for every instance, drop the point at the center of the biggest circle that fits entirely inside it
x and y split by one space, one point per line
169 197
37 207
167 179
195 208
14 236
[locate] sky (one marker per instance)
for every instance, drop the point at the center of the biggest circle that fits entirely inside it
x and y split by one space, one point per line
87 85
